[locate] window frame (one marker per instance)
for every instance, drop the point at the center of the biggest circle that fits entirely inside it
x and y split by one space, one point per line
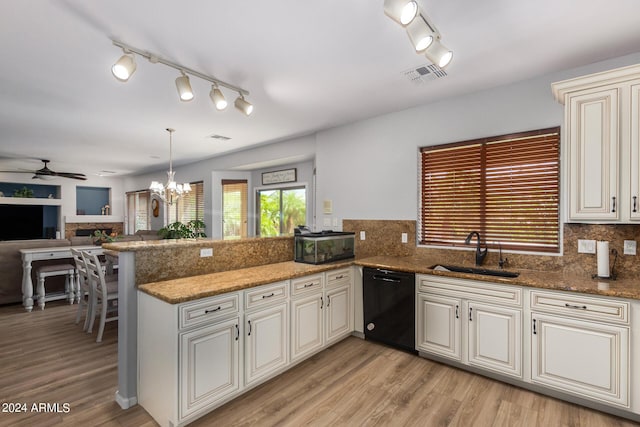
455 240
177 205
291 186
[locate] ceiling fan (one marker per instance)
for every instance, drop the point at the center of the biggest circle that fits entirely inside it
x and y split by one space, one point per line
46 172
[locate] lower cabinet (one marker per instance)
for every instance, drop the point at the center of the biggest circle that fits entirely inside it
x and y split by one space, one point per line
585 357
266 342
210 370
197 355
458 319
438 328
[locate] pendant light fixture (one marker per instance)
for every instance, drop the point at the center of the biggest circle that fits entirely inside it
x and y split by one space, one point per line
126 65
170 192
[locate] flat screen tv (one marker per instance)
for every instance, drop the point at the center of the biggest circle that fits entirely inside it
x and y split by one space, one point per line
19 222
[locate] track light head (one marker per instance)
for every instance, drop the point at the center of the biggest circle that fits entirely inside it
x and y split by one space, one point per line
401 11
184 88
439 54
124 68
421 33
243 105
217 97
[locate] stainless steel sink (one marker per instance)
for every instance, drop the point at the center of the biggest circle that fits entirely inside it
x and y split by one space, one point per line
475 270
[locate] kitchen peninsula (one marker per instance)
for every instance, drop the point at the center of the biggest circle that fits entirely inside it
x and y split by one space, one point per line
270 270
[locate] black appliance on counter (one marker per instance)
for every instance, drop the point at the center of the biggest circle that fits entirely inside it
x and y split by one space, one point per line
323 246
389 307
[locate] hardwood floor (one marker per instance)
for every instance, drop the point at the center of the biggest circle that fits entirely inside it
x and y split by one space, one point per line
46 358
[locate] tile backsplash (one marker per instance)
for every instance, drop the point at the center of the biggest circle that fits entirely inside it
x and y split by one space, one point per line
383 237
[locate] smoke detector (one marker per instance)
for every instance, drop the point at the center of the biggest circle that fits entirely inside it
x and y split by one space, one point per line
424 73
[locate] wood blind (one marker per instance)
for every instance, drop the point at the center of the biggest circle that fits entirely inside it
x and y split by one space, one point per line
505 187
189 206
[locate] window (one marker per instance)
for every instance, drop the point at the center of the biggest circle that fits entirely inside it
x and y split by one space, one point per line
234 208
189 206
281 210
138 211
505 187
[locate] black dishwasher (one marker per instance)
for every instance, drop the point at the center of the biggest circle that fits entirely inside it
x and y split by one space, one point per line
389 307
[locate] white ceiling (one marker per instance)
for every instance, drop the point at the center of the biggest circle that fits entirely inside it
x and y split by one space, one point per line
309 65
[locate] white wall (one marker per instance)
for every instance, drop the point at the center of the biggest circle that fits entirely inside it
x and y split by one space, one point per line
369 169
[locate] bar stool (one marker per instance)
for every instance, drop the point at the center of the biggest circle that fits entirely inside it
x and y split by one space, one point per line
56 270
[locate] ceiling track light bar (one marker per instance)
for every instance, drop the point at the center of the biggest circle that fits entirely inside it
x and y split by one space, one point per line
185 70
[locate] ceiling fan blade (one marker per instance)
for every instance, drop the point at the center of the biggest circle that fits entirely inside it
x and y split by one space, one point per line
70 175
17 171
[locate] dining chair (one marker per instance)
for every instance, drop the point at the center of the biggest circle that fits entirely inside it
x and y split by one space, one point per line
84 296
103 291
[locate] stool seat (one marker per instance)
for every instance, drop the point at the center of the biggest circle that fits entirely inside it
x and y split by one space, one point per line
68 270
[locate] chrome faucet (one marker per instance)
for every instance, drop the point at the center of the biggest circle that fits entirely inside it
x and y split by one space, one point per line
480 253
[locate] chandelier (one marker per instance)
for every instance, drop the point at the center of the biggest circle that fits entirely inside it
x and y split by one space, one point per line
170 192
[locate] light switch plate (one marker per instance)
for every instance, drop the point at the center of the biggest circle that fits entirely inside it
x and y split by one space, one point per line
206 252
363 235
629 247
586 246
404 238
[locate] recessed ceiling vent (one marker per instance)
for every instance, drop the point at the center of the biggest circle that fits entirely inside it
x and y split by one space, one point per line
424 74
219 137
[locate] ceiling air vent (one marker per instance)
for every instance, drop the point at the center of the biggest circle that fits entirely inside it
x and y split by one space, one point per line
219 137
424 74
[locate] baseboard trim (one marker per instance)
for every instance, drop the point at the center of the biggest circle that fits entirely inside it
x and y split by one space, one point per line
126 402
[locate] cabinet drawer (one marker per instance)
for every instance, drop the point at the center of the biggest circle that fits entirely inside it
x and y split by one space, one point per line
338 277
207 310
580 306
265 295
470 289
306 284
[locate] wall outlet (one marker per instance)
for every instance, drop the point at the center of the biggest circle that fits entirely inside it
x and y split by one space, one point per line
206 252
586 246
363 235
404 238
629 247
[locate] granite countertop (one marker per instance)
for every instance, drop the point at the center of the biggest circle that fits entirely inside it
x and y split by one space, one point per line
558 281
196 287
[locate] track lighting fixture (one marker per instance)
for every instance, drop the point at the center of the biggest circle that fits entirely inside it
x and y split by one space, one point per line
217 97
184 88
424 36
420 33
126 65
243 105
401 11
438 54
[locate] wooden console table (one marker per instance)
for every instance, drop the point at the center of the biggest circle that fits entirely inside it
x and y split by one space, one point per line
39 254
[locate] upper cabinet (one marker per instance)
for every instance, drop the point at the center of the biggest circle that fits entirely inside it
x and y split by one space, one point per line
601 144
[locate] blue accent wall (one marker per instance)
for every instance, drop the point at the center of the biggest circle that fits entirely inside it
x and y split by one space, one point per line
90 200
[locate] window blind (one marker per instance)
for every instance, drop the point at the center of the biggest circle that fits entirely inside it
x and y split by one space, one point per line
234 208
189 206
505 187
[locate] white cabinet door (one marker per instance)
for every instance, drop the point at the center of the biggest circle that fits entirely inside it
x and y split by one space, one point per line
266 342
307 329
587 358
594 155
209 365
438 328
495 338
338 313
635 153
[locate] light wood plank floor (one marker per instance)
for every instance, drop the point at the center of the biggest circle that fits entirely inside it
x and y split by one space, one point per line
45 358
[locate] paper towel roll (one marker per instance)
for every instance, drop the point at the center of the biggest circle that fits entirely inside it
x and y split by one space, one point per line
603 258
